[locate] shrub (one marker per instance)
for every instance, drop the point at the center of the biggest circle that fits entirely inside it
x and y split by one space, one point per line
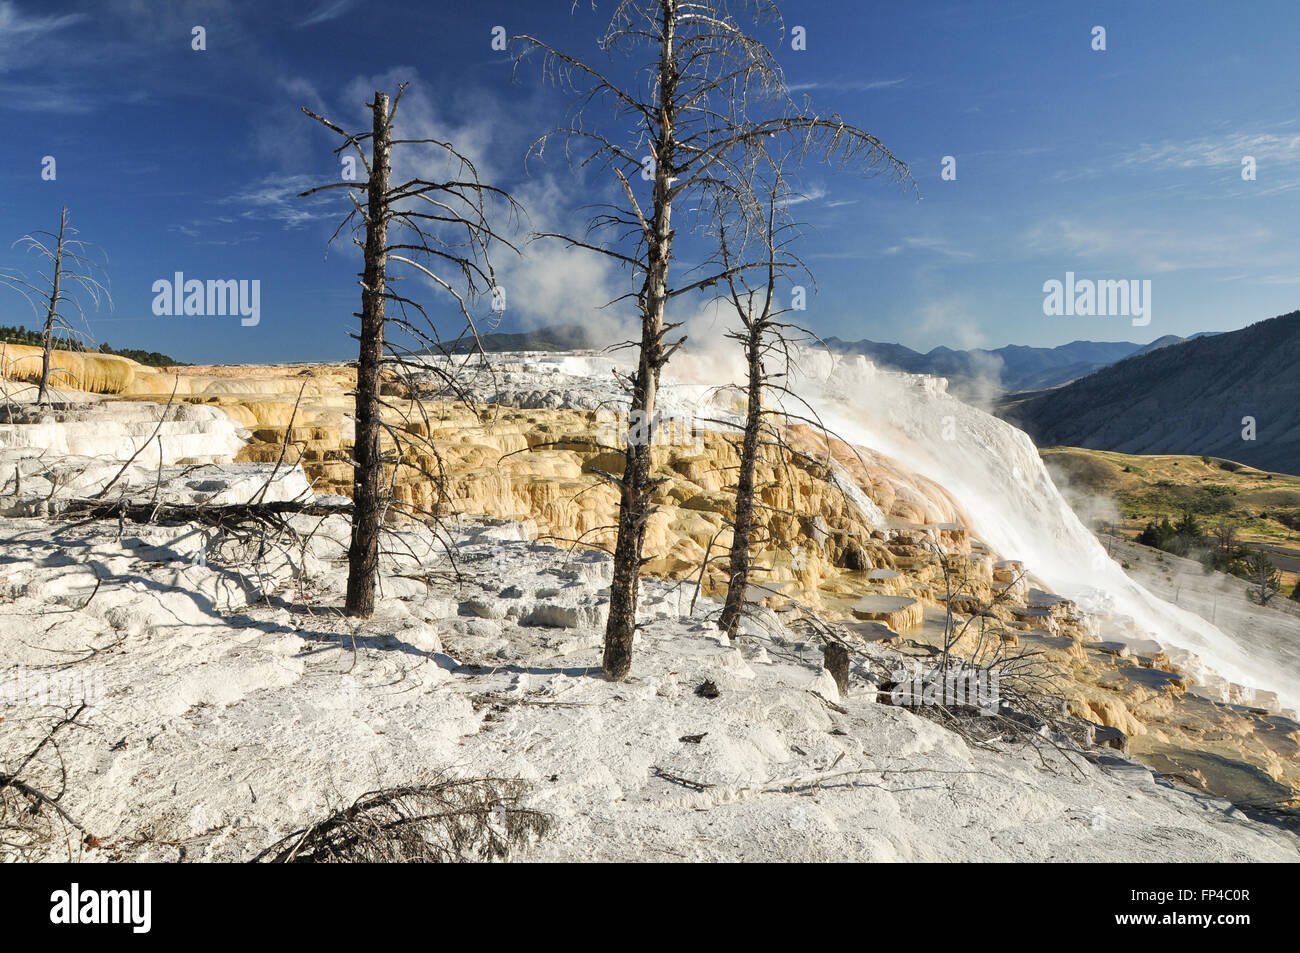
447 821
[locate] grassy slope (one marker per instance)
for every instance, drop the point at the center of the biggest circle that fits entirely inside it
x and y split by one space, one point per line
1147 487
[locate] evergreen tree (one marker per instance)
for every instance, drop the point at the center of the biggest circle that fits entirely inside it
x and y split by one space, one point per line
1189 527
1264 577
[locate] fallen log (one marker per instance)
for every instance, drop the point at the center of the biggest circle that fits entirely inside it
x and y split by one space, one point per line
206 514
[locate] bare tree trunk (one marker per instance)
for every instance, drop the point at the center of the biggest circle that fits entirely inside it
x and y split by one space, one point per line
367 488
705 140
743 527
634 501
836 661
400 232
52 312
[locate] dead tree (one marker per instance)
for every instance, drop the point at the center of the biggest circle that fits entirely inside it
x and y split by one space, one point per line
1226 535
708 101
761 334
32 786
71 269
447 820
435 229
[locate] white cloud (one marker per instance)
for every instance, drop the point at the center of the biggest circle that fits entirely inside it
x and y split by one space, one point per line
275 198
1212 151
1149 250
847 86
20 34
552 283
547 282
814 194
937 246
328 11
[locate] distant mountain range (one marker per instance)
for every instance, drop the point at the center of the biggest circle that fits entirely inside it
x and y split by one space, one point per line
1192 397
979 373
1010 369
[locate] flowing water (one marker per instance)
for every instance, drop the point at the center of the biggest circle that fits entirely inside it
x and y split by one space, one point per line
994 471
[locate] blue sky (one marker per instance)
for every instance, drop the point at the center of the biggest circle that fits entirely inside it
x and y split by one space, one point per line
1116 164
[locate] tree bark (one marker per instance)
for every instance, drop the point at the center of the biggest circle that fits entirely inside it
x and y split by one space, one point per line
743 526
48 336
634 501
367 498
